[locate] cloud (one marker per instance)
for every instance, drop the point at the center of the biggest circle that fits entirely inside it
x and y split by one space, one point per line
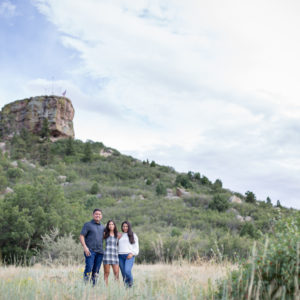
7 9
200 85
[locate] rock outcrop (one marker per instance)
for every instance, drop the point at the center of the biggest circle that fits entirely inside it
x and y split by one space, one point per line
235 199
30 114
181 192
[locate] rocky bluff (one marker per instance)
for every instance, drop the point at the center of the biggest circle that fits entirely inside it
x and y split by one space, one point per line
30 114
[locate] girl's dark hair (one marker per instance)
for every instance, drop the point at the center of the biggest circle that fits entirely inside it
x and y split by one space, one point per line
107 231
129 232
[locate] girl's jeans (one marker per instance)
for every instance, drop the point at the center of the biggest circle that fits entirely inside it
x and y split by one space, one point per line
126 266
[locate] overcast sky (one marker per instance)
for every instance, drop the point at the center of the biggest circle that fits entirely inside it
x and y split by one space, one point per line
207 86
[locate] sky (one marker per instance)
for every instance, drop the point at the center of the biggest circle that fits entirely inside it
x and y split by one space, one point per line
202 86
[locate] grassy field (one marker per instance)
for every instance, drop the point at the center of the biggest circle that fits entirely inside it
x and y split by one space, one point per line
159 281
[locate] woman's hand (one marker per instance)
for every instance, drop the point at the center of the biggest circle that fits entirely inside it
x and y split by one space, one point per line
119 235
130 255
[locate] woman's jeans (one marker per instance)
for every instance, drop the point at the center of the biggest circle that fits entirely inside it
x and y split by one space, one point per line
92 266
126 266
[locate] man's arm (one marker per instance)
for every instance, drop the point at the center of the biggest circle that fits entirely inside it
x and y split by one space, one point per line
85 248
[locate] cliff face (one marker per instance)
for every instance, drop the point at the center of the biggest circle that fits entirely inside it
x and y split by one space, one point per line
30 113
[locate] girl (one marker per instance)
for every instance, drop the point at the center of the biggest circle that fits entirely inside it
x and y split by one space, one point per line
128 249
110 257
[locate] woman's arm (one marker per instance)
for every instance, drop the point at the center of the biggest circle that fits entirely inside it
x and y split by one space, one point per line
135 246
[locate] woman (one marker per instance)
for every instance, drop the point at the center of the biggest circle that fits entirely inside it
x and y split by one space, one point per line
128 249
110 257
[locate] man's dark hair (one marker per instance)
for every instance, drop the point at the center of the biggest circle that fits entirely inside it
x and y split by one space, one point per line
97 209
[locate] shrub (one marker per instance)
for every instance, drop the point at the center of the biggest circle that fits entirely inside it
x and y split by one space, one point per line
153 164
183 180
248 228
71 176
91 202
95 188
205 180
250 197
197 201
218 184
219 203
161 189
197 176
175 231
59 250
14 173
88 154
3 182
274 270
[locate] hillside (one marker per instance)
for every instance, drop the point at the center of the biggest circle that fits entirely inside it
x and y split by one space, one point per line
47 185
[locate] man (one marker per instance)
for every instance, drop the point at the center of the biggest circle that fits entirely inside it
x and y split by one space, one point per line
91 238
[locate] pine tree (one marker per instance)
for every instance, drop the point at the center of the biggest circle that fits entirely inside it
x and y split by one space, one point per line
218 184
45 131
95 189
70 147
45 153
153 164
250 197
161 190
88 155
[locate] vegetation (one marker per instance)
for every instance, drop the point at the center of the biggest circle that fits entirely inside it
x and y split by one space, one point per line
56 185
274 269
184 282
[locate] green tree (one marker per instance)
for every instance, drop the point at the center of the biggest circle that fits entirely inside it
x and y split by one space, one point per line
30 212
248 228
219 202
250 197
3 182
197 176
183 180
161 189
45 152
95 188
18 147
218 184
278 204
87 153
273 269
153 164
268 201
205 180
14 173
70 150
190 175
45 131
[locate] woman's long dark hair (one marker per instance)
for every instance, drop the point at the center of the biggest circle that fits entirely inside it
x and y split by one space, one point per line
129 232
107 231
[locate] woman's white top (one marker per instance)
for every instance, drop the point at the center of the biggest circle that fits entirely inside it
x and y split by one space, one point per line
125 247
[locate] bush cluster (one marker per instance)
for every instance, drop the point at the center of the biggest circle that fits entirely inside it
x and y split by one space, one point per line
274 269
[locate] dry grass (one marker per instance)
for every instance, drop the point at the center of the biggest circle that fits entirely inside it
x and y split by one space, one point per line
159 281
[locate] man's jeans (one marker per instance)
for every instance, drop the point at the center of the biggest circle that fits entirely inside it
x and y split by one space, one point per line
126 266
92 266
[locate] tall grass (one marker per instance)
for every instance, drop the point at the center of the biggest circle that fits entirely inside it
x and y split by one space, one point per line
159 281
272 271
